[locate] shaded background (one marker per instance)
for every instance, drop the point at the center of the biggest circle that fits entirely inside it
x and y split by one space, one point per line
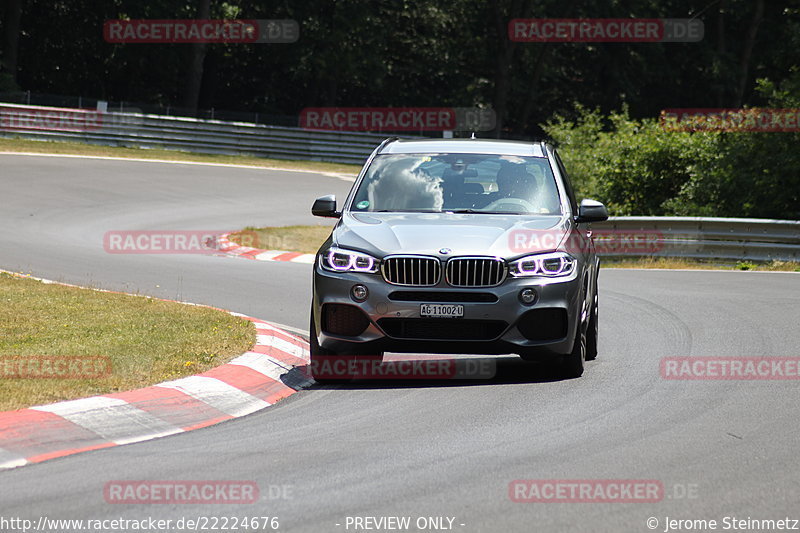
600 101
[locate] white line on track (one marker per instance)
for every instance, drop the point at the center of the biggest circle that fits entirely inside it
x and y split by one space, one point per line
344 177
11 460
302 332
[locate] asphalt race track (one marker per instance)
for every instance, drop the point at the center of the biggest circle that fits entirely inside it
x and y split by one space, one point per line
439 449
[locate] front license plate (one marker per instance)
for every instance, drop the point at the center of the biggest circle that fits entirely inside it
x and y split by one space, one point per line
441 310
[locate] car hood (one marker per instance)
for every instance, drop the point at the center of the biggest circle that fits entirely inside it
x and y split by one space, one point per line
382 234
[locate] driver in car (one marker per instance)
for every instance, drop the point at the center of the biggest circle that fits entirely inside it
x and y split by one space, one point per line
513 181
524 190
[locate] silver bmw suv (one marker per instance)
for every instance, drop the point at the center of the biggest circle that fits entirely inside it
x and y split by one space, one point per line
466 246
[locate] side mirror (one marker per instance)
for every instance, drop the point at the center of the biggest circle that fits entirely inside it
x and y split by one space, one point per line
325 206
591 211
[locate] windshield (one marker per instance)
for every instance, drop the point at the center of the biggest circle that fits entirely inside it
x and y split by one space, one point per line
458 183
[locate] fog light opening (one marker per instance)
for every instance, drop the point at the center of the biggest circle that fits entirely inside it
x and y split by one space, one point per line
359 293
527 296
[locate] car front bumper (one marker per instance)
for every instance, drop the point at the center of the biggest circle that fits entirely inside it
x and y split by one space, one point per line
563 296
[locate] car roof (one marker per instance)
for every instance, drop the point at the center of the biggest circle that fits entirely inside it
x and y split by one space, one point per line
464 146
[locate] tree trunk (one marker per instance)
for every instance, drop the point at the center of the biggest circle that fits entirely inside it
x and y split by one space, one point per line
10 42
721 49
538 70
747 53
502 81
194 76
505 55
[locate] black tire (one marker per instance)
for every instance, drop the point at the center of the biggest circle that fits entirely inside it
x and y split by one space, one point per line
318 354
572 363
592 330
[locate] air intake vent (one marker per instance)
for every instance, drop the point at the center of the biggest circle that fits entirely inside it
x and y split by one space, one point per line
442 296
412 271
476 271
546 324
346 320
445 329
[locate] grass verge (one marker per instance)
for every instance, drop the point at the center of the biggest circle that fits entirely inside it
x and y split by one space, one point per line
699 264
304 239
147 340
75 148
308 239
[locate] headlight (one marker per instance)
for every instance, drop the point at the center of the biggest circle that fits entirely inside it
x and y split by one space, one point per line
340 260
550 265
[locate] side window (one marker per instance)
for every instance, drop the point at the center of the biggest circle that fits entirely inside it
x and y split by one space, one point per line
567 184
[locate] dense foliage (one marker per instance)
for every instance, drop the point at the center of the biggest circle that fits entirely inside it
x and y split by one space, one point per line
600 100
638 168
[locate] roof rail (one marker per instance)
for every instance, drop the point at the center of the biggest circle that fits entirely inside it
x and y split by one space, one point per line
385 142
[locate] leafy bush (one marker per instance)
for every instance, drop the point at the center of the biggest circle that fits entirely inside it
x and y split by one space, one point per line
637 167
634 166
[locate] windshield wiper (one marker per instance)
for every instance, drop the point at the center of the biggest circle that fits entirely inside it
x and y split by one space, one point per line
470 211
402 211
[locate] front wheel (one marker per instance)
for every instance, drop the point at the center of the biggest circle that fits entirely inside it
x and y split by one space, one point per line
320 358
591 332
572 363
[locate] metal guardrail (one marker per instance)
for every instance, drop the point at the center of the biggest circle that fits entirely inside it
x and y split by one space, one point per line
732 239
692 237
184 134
